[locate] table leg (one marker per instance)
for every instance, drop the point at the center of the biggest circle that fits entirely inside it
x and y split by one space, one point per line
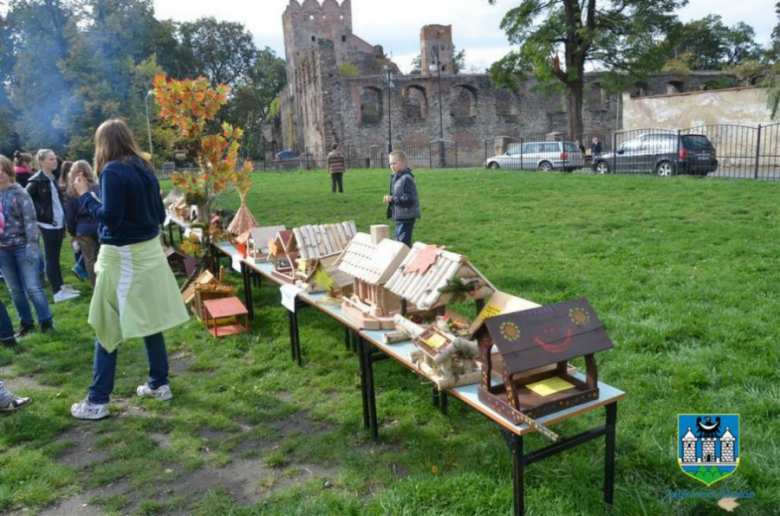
515 444
246 274
297 344
170 234
609 450
347 336
363 392
370 392
444 402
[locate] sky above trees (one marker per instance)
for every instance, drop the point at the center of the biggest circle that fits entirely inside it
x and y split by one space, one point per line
396 25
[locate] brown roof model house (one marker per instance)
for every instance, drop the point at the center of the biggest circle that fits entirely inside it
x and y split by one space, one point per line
372 260
258 242
431 277
534 338
297 250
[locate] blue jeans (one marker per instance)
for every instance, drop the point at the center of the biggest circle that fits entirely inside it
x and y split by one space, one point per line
403 231
104 368
6 326
23 281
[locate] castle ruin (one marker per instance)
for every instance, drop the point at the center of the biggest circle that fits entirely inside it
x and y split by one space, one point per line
340 86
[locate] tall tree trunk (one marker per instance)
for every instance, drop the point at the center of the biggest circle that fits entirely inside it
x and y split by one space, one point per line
574 94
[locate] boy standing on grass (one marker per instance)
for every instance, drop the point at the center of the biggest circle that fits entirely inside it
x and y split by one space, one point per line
403 203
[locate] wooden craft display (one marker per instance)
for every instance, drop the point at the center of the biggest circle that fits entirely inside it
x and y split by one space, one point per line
296 251
446 359
243 220
371 259
325 276
258 241
225 316
534 338
206 287
180 263
430 277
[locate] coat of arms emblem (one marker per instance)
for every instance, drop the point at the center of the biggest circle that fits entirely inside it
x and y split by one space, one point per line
708 445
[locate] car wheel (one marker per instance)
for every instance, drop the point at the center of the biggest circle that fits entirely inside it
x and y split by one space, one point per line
664 168
602 167
493 165
545 166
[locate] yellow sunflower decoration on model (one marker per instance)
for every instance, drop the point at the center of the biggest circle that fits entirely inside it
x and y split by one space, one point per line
579 316
510 331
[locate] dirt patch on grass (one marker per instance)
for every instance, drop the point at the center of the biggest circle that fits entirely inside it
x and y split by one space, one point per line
246 477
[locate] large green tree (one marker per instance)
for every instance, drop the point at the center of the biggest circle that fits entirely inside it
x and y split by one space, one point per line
221 51
251 99
556 38
39 91
708 44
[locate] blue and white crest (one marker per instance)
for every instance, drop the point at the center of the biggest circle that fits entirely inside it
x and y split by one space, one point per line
708 445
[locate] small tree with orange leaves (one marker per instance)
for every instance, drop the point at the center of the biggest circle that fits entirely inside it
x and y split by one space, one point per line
190 105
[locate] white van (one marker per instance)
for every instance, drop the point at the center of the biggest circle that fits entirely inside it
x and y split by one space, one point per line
544 156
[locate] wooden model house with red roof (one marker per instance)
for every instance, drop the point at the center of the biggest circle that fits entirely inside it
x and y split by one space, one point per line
537 337
430 277
298 250
371 260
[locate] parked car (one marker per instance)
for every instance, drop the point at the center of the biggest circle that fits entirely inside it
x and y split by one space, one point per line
665 154
543 156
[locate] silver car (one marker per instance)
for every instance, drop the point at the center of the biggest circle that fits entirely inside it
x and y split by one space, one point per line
543 156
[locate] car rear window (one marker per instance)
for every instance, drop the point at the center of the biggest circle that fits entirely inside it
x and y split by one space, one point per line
570 147
696 142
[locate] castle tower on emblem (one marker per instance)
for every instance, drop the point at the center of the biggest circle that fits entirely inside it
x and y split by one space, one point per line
708 446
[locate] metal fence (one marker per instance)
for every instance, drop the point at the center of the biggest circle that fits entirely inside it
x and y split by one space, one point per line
741 152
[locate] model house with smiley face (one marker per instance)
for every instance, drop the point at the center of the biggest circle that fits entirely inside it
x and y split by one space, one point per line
541 338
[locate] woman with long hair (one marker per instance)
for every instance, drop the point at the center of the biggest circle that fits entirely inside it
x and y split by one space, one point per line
50 210
19 252
136 294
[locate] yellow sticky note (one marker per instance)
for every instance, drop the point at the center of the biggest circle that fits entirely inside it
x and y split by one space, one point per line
435 340
550 386
489 311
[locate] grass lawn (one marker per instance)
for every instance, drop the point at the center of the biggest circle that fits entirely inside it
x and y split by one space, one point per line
683 272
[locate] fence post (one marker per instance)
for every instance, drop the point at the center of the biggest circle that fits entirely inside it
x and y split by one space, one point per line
677 157
430 156
614 153
486 151
522 151
758 152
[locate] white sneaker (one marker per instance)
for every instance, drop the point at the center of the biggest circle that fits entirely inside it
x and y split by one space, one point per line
88 410
162 393
64 295
68 288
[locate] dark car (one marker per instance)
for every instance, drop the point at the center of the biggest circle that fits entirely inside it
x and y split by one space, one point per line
665 154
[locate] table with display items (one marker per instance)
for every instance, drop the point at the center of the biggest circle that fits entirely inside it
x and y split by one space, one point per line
371 348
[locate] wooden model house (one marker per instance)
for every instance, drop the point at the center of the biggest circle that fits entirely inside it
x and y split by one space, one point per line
283 259
325 276
447 359
258 241
427 270
538 337
371 260
296 251
180 263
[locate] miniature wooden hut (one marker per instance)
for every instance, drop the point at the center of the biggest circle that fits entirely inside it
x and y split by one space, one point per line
282 256
258 242
180 263
243 220
301 247
448 360
372 260
538 337
431 277
325 276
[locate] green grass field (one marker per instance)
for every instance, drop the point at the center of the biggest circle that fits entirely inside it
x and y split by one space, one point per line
683 272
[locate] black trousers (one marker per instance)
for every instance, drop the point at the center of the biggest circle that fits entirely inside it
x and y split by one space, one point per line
52 245
337 180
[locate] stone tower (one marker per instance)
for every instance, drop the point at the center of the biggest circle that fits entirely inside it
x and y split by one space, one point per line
727 446
304 24
436 39
689 446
